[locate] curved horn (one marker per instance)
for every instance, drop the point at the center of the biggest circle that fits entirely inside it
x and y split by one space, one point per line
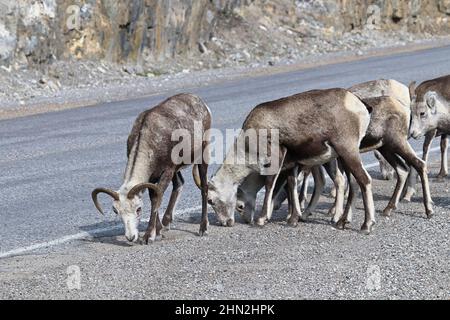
196 176
138 188
412 89
109 192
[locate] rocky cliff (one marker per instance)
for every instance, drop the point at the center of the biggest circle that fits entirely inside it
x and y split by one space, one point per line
37 32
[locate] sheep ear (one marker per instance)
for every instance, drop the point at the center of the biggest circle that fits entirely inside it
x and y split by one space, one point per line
431 102
412 90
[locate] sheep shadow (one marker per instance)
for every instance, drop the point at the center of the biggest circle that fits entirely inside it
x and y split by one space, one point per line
376 175
442 202
105 232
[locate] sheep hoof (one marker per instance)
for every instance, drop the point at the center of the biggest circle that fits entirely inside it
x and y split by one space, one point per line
166 220
387 212
340 225
408 195
203 232
442 174
293 222
367 228
332 211
260 222
150 237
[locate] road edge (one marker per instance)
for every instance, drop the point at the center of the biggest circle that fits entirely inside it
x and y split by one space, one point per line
334 58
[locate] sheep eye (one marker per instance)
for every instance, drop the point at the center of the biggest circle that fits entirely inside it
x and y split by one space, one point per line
423 114
115 210
139 211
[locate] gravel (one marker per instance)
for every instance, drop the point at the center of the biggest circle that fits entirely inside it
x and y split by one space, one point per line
406 257
65 84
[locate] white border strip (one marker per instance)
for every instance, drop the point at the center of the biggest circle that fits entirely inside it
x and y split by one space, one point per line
77 236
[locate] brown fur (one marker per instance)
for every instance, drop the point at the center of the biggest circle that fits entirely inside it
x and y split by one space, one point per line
153 131
388 118
310 122
382 87
306 121
149 151
157 124
388 133
440 85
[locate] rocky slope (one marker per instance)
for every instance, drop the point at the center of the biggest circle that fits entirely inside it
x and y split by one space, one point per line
46 45
33 32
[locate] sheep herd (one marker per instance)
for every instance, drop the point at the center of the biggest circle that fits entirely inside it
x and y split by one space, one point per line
306 134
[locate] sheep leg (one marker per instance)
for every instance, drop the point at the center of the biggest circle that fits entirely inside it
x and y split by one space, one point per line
405 151
280 192
159 226
289 199
346 217
352 161
294 204
203 171
402 173
177 183
412 177
333 192
303 195
266 210
387 172
338 179
270 183
350 205
319 184
444 165
154 226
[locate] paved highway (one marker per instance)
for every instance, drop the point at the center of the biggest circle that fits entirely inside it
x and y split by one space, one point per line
49 163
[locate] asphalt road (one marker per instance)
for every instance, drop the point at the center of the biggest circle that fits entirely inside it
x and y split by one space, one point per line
49 163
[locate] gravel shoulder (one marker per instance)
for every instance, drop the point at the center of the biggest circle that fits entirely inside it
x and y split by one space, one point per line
92 83
276 262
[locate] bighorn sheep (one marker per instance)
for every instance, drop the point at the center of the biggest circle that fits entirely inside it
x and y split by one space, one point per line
247 191
401 92
378 88
389 128
151 166
430 116
368 89
314 128
249 188
388 133
372 89
430 106
410 188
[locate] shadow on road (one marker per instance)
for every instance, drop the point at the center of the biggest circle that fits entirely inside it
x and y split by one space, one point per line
106 232
109 240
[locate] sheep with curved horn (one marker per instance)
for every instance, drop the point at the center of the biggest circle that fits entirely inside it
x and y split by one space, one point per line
151 165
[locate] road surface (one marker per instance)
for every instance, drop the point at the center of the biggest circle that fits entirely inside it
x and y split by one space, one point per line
49 164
